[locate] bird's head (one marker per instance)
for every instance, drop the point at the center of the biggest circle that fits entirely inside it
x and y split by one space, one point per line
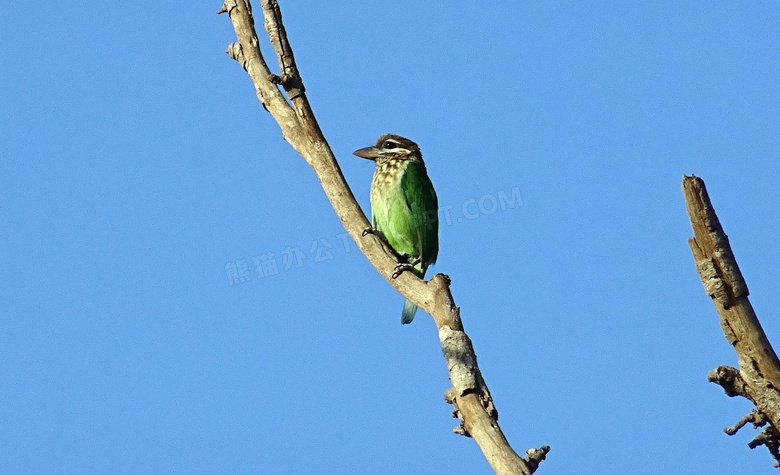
391 147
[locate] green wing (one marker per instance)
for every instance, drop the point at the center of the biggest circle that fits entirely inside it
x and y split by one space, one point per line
423 204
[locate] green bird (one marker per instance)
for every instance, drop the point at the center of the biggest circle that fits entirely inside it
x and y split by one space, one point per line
404 206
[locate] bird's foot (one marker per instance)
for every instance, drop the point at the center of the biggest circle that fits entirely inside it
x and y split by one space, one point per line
368 230
401 268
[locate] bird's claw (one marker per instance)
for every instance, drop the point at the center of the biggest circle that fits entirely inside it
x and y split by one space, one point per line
368 231
400 269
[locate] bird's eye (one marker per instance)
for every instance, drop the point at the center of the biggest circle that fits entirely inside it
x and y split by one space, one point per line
388 145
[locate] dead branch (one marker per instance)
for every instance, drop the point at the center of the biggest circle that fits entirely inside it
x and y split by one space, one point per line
758 377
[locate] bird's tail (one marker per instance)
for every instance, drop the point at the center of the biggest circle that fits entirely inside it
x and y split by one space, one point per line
410 309
408 313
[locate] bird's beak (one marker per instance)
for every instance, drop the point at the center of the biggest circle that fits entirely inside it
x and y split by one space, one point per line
369 153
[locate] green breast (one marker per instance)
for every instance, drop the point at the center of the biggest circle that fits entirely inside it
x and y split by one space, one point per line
404 209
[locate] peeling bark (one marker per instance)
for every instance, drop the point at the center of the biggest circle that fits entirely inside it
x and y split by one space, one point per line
758 377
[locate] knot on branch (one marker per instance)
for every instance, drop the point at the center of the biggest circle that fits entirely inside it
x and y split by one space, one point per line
730 380
534 456
292 84
227 7
235 52
442 280
446 313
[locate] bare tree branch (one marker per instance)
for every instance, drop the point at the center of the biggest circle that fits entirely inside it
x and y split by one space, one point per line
469 395
758 377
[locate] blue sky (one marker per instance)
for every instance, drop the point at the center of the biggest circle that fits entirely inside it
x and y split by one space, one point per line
139 171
